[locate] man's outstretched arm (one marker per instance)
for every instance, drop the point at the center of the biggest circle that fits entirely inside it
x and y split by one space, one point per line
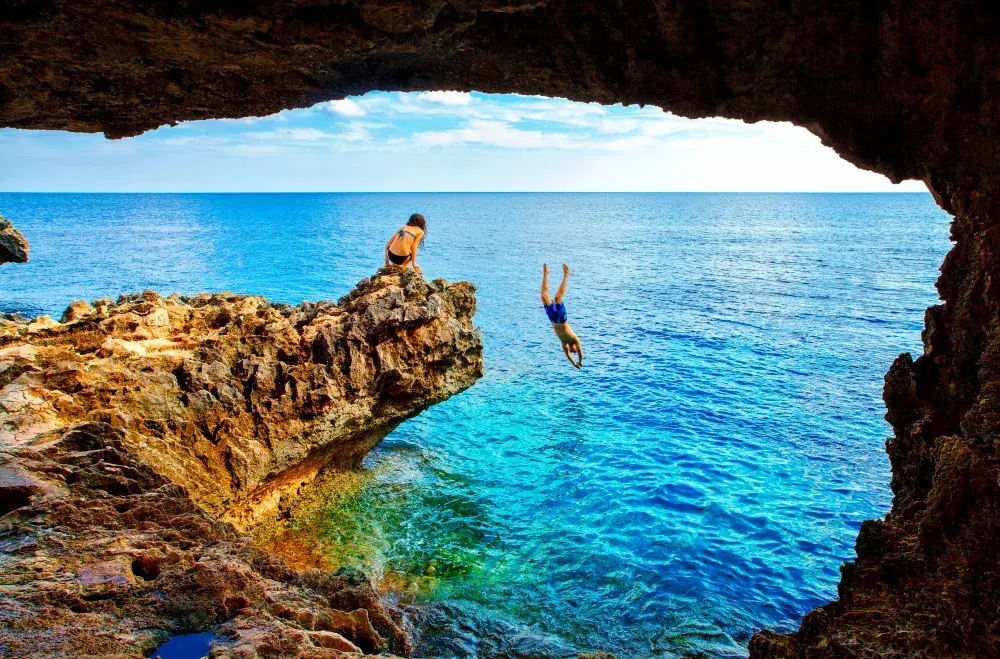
569 356
579 352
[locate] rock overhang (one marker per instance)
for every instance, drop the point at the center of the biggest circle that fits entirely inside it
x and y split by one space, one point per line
885 85
904 89
235 398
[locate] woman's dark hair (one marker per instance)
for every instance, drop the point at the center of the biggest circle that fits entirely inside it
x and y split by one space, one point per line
419 221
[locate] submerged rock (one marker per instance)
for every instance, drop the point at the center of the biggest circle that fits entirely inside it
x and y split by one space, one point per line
136 430
13 245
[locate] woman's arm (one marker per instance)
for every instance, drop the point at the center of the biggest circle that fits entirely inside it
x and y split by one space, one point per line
413 255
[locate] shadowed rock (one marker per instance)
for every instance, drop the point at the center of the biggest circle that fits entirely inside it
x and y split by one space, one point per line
907 89
101 556
13 246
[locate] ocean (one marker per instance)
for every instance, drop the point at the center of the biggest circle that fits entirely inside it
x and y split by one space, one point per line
703 476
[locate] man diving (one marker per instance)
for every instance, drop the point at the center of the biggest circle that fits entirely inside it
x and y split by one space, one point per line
557 315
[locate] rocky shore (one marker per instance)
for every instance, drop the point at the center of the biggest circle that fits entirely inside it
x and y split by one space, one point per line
142 437
901 88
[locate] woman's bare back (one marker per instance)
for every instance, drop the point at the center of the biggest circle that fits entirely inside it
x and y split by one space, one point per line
403 240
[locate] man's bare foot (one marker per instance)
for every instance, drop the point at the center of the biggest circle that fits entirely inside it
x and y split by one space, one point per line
565 269
545 268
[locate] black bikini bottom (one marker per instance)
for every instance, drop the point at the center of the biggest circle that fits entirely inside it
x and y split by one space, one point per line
398 260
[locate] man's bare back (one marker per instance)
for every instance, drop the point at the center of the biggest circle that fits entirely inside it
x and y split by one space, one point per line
556 311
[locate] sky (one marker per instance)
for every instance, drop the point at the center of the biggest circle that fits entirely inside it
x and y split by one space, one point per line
439 141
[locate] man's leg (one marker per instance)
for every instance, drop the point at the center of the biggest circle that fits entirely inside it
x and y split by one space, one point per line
546 300
562 286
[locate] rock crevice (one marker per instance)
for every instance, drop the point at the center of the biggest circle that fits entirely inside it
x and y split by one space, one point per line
102 556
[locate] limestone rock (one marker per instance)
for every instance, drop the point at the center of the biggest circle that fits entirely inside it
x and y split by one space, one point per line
907 89
115 425
77 311
43 322
334 641
13 246
102 556
238 399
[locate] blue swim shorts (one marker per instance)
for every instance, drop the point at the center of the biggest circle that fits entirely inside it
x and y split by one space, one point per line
556 312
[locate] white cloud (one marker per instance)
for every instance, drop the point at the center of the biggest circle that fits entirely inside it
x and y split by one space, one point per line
355 132
583 115
345 107
659 128
496 133
292 135
629 143
614 126
446 97
443 103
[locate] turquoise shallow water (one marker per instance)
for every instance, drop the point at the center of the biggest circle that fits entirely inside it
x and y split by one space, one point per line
705 474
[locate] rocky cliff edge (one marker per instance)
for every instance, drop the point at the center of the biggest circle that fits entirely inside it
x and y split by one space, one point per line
132 432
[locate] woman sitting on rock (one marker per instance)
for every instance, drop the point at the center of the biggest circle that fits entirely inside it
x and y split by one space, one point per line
402 247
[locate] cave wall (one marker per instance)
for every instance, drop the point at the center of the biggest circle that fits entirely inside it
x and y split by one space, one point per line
907 89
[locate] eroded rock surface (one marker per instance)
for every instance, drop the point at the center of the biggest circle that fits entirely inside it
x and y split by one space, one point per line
100 556
903 88
235 398
132 429
908 89
13 246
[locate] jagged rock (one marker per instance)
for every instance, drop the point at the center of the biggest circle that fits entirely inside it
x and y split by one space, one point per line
102 556
119 422
13 246
235 398
76 311
907 89
898 87
42 322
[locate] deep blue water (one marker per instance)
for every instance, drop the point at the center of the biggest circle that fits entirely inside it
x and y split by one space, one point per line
702 477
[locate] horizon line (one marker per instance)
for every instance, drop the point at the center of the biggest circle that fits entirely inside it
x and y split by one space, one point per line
590 192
